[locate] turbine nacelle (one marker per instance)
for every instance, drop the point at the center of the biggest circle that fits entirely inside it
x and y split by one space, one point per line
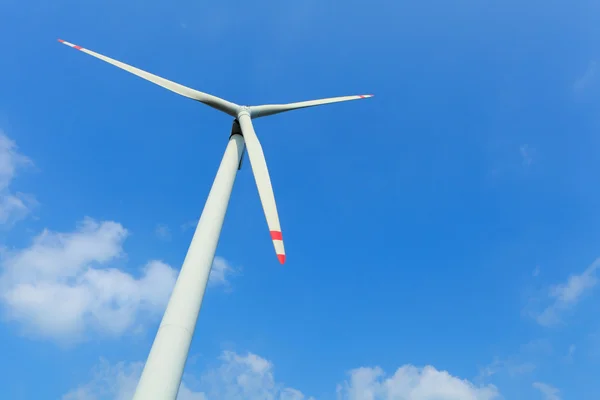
242 125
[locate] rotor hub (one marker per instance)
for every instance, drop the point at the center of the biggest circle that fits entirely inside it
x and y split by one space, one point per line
243 110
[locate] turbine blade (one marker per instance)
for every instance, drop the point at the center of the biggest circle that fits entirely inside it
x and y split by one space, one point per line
208 99
270 109
263 182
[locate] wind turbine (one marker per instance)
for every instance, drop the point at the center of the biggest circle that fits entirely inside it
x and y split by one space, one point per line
161 377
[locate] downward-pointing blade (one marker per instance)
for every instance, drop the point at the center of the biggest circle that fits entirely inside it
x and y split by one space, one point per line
263 183
208 99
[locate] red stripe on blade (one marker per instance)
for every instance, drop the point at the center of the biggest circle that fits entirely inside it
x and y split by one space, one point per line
281 258
276 235
77 47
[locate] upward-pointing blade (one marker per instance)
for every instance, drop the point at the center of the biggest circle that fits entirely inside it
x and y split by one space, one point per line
208 99
263 182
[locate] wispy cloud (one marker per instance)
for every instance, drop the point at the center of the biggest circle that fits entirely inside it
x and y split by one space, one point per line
565 296
588 77
13 206
189 224
163 232
550 392
522 362
510 366
509 159
527 154
537 347
571 353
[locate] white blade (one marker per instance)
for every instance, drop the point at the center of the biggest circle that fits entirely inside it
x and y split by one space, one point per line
270 109
263 182
210 100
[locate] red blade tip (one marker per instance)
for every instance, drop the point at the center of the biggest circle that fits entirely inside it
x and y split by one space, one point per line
281 258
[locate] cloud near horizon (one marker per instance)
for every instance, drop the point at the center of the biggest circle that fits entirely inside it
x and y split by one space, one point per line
251 377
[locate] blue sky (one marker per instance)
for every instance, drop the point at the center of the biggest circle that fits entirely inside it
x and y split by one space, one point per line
441 237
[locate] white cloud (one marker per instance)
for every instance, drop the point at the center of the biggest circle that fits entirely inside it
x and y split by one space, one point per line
245 377
63 286
163 232
251 377
550 392
411 383
13 206
236 377
566 295
220 272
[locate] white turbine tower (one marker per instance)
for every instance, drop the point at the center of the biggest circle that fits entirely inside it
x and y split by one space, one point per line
162 372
